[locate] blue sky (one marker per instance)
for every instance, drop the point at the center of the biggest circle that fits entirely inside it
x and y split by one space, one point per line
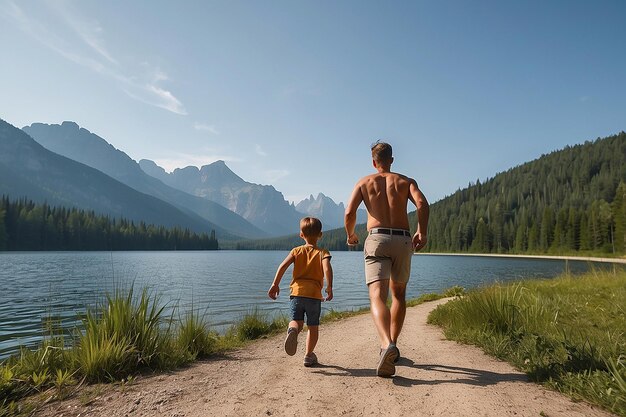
292 93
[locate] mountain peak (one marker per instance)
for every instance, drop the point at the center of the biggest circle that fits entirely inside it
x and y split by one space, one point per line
71 125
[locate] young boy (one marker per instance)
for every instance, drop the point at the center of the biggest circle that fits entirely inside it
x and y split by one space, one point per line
311 264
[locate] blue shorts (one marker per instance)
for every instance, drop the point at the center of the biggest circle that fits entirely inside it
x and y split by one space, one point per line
311 306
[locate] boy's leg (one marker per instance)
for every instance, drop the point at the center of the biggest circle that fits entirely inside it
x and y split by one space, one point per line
297 324
378 292
291 342
311 338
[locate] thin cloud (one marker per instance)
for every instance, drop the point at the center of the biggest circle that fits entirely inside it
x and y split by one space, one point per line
145 88
260 151
206 128
89 31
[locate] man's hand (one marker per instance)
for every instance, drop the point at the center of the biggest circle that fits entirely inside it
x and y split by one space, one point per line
419 241
273 292
352 240
329 294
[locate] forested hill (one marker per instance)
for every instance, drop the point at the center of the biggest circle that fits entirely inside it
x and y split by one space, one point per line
569 201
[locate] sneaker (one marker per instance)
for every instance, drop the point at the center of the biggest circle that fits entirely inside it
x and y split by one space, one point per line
310 360
386 367
291 342
397 358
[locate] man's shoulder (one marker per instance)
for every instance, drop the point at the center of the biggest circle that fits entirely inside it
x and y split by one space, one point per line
403 177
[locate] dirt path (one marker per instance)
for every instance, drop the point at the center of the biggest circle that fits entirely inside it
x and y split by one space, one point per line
435 377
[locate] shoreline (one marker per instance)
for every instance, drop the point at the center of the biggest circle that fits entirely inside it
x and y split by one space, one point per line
553 257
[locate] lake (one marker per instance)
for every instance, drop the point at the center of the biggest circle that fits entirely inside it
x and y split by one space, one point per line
224 285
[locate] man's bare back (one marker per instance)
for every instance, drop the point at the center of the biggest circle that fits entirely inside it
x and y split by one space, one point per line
385 195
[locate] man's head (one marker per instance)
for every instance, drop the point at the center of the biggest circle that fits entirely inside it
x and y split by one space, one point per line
310 227
382 154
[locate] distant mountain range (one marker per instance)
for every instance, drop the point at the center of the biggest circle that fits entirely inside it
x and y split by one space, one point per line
330 213
79 144
27 169
261 205
211 197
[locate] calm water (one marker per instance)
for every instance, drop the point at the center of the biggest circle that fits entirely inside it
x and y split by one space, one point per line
35 286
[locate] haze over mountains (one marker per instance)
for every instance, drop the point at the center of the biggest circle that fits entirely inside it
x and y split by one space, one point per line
208 198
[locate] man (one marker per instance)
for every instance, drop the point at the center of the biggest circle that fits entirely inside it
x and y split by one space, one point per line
388 247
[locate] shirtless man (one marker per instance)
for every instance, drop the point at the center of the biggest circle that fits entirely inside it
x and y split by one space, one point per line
388 247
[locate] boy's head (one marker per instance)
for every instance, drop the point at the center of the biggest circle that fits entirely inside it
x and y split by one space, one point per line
382 153
310 227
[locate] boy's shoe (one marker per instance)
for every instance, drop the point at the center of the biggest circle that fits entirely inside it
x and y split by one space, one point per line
310 360
291 342
386 367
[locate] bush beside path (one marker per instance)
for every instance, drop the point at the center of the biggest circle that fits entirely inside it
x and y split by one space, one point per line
435 377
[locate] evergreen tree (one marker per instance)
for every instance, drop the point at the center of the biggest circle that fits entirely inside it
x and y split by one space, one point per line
3 233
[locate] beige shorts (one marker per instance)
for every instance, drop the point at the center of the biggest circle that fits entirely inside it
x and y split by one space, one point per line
387 257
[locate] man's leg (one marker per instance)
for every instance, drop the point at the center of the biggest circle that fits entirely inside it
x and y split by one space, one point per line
379 291
398 309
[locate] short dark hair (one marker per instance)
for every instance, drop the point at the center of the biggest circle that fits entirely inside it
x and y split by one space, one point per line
310 226
382 152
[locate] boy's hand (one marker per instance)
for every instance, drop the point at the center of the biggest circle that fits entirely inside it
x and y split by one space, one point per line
329 294
273 292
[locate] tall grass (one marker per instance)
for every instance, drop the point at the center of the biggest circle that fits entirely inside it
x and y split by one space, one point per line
125 334
568 333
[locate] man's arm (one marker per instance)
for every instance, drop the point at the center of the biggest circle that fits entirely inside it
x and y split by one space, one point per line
350 216
423 209
275 289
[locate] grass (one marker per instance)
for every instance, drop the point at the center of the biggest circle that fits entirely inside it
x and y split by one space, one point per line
567 333
126 334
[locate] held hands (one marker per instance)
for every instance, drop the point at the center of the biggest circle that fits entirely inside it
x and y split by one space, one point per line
329 294
273 291
352 240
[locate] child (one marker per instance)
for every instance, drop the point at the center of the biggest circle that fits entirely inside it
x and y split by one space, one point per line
311 264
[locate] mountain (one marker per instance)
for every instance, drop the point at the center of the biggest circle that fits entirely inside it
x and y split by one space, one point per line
261 205
27 169
571 201
330 213
79 144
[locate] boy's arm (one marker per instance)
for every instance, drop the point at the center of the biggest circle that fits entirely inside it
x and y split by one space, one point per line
328 273
274 289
